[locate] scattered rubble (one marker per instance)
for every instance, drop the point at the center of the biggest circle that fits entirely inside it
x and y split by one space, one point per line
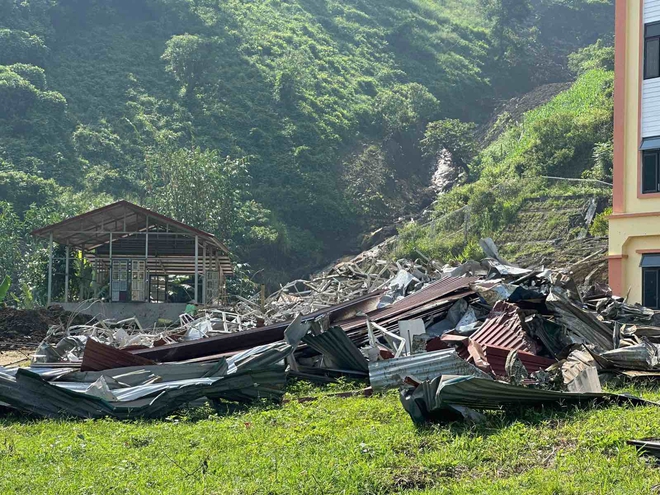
26 328
454 339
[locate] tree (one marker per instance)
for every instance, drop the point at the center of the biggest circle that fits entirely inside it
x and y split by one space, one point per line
405 107
507 17
210 192
187 57
453 135
19 46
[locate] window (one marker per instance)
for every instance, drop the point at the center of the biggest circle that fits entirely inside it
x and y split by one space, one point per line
650 165
651 280
158 288
652 50
650 171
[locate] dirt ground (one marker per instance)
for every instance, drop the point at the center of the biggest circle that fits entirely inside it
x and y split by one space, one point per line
15 358
24 329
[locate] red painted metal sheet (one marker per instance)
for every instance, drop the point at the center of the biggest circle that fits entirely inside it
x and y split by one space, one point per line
99 357
504 328
496 357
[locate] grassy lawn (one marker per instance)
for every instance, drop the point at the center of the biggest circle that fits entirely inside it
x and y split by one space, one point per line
333 445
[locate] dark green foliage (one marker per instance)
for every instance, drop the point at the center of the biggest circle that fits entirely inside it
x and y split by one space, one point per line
20 46
33 74
189 57
323 103
209 192
4 288
22 190
596 56
570 136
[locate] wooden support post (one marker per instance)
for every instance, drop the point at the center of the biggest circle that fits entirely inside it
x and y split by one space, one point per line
110 269
146 243
196 268
66 275
50 269
81 277
262 298
204 274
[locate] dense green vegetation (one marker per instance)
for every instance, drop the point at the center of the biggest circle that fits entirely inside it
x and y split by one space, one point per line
568 137
335 446
312 111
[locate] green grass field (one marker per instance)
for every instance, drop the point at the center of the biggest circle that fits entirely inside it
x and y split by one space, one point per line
334 446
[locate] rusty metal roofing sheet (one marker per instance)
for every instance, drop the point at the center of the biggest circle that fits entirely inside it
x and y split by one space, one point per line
431 298
435 296
432 292
505 329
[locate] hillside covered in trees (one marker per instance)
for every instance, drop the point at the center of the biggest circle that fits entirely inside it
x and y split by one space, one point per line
287 127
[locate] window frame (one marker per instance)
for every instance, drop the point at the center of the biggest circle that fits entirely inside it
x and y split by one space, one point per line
655 272
651 33
656 188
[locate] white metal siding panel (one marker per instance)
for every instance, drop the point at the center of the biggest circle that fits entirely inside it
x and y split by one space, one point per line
651 107
651 11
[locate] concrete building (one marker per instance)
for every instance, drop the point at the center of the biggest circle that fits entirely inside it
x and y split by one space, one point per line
634 249
124 258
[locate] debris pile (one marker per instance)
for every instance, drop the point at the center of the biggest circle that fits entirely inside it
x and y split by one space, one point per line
366 273
454 339
26 327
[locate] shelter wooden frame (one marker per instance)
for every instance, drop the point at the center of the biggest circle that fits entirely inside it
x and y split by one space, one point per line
124 230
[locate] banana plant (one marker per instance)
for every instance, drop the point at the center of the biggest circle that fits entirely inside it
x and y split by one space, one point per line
4 288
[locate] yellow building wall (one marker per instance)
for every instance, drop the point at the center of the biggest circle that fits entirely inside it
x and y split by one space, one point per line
629 234
632 272
632 139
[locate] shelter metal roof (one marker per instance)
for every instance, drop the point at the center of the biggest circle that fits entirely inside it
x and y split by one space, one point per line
171 245
123 217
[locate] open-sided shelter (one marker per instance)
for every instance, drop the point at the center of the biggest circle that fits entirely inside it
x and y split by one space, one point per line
131 253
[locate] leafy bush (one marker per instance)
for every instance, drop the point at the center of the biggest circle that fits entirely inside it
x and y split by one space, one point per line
601 224
35 75
596 56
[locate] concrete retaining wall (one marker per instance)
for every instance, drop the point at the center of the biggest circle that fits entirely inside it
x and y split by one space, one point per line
147 313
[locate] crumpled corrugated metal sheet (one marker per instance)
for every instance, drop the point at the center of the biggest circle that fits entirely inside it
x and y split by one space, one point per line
30 393
249 338
496 357
246 376
505 329
433 400
391 373
644 356
649 447
581 322
335 345
434 299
